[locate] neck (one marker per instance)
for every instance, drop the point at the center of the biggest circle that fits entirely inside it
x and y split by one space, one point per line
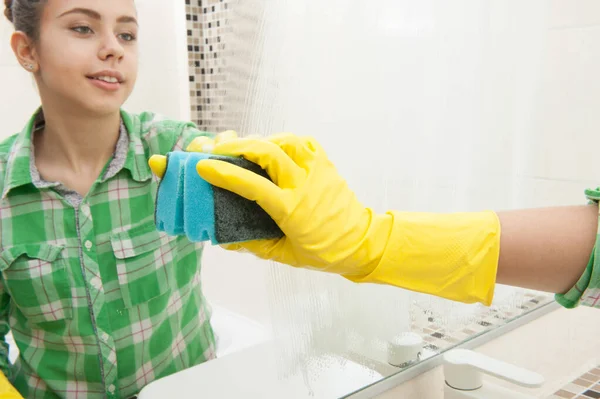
81 143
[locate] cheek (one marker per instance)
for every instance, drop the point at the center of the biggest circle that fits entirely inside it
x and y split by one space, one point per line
61 61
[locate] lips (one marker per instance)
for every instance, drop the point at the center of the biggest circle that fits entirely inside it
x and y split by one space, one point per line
108 81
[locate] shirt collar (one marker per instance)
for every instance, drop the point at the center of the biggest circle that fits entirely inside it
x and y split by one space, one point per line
20 165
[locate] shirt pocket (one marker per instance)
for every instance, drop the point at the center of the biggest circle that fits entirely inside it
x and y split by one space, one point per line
145 261
37 280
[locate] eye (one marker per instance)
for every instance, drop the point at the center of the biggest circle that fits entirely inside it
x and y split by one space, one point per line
128 37
84 30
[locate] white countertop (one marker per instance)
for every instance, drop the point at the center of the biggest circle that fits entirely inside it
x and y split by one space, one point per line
255 373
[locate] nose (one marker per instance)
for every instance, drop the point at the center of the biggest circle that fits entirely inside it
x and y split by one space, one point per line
110 47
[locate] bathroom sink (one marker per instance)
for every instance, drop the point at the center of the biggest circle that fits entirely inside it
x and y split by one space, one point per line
256 373
235 332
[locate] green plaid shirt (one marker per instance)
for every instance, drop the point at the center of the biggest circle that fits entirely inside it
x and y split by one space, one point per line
586 291
99 302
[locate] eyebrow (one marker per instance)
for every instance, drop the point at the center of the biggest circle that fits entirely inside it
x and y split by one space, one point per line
95 15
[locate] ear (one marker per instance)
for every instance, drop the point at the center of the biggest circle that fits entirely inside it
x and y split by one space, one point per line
24 50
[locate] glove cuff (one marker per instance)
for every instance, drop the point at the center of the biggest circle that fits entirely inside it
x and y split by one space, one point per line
454 256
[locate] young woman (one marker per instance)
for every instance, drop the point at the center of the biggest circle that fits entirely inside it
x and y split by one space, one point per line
98 301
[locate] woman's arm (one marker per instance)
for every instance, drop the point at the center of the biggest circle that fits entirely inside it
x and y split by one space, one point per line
458 256
546 249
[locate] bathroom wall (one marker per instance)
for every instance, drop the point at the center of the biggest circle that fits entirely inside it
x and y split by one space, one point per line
163 74
18 97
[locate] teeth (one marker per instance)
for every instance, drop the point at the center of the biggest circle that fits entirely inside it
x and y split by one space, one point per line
108 79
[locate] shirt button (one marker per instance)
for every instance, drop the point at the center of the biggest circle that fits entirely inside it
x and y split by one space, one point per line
111 388
88 245
105 337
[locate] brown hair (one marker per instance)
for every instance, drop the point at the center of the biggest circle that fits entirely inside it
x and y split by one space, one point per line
25 15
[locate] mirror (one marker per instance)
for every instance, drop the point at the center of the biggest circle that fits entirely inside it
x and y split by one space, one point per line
422 106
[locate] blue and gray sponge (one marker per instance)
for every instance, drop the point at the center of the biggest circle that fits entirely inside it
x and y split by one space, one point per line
188 205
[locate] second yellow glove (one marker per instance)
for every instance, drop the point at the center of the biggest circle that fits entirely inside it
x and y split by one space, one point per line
7 391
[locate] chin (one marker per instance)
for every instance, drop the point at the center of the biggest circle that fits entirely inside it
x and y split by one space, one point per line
103 106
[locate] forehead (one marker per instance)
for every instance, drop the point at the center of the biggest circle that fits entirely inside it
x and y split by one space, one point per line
107 9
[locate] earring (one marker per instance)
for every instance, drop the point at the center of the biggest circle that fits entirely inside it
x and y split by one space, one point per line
29 66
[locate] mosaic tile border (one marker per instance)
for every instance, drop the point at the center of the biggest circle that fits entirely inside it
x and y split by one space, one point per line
440 336
207 26
585 386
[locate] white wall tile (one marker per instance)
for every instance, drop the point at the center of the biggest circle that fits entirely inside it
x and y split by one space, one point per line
536 192
574 13
564 140
18 95
163 84
18 99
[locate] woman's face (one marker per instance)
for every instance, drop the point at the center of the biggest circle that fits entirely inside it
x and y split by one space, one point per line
87 54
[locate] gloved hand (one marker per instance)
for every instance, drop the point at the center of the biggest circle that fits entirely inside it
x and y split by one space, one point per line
335 234
326 228
7 391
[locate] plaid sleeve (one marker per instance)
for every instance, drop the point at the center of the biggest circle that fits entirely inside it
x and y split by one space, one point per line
163 135
586 291
4 329
187 135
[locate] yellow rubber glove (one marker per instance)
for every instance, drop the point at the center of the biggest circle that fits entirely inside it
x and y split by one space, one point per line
7 391
326 228
158 163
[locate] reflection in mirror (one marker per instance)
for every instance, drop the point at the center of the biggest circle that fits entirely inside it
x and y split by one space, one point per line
422 106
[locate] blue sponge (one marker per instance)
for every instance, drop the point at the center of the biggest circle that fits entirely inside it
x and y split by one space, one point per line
188 205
